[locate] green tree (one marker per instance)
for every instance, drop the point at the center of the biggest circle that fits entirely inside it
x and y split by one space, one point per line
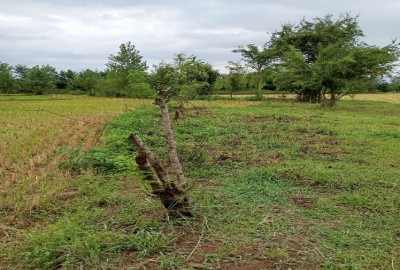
259 60
127 58
236 79
20 72
7 81
88 81
395 84
40 79
139 86
165 79
195 77
118 68
65 79
326 57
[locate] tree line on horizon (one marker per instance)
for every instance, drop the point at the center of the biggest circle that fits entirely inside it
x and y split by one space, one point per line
126 75
320 60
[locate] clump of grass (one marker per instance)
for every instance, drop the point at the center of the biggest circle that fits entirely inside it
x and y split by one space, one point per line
91 229
278 254
170 261
102 160
68 243
63 244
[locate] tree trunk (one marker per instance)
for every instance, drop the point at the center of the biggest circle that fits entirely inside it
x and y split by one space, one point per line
172 153
149 173
154 161
332 99
259 93
174 199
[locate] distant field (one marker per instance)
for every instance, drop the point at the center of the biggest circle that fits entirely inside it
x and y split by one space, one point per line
387 97
275 185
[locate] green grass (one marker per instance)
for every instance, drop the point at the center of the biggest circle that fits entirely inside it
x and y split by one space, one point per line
92 220
275 184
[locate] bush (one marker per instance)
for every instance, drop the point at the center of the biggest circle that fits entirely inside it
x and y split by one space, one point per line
102 160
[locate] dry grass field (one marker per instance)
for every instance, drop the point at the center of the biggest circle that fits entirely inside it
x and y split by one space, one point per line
393 98
33 130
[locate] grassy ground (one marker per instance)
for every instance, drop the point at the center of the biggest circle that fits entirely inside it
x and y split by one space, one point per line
33 141
275 185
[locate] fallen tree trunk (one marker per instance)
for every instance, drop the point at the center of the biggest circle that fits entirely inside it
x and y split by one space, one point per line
154 161
174 198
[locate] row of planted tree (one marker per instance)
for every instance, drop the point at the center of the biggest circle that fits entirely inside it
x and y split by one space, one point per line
320 60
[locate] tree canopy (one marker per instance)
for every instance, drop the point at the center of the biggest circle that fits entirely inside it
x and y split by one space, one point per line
195 76
6 78
235 80
187 76
259 60
40 79
119 67
126 59
326 56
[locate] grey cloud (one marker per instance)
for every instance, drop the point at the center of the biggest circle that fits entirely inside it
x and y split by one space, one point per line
81 34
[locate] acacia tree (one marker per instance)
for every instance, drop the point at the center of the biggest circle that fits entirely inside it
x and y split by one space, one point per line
258 60
168 182
235 79
341 69
326 57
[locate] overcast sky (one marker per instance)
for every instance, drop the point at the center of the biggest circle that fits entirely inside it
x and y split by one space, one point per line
80 34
